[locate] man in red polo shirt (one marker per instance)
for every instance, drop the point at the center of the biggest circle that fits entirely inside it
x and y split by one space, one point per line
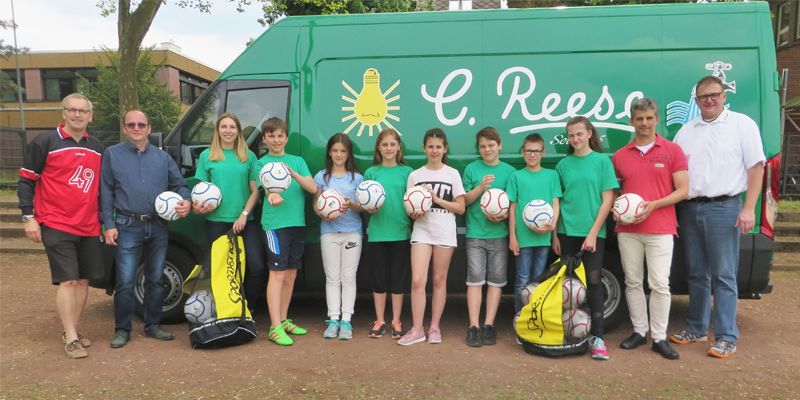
59 184
655 169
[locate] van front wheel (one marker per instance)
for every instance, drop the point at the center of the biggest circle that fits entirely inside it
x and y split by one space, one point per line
176 268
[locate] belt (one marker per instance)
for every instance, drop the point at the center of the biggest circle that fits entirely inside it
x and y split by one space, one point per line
137 217
710 199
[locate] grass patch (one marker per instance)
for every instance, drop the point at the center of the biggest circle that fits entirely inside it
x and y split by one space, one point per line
789 205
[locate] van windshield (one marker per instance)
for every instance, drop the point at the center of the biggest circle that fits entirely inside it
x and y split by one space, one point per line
251 101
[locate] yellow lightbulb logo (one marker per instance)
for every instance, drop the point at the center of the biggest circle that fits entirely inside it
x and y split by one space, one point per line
370 107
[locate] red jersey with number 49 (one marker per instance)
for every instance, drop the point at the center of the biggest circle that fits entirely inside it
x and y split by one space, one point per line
64 176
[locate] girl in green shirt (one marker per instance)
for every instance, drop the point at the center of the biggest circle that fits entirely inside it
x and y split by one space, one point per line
389 232
588 182
227 164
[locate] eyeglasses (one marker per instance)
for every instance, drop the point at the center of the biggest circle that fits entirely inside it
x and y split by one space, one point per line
707 97
77 111
140 125
532 152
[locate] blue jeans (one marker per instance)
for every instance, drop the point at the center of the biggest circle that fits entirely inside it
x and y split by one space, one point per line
711 241
531 262
139 241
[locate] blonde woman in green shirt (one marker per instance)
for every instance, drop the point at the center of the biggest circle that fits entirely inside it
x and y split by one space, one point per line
227 164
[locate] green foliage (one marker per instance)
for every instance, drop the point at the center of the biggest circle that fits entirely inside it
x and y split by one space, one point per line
157 101
8 84
274 10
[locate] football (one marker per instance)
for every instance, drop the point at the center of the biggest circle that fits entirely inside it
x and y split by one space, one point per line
206 194
330 204
527 291
370 195
417 199
494 203
165 205
537 214
199 307
274 177
627 207
573 293
576 323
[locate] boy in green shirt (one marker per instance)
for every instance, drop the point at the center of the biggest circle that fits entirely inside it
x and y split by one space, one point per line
487 237
531 246
283 220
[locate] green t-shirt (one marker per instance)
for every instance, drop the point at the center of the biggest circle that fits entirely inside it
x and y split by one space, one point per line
478 226
525 185
390 223
583 180
233 179
292 211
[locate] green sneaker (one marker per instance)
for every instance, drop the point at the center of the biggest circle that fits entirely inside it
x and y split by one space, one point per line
278 335
293 329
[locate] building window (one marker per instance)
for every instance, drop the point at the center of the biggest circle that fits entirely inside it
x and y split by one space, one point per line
59 83
8 84
797 21
191 88
783 31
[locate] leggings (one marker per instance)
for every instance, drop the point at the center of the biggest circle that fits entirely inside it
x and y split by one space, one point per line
592 263
389 264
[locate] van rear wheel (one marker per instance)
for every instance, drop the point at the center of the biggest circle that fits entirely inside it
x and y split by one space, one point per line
177 267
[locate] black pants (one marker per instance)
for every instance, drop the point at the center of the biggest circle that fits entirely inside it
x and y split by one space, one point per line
592 263
389 263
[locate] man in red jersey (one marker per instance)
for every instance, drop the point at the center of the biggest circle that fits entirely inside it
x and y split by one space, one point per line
58 193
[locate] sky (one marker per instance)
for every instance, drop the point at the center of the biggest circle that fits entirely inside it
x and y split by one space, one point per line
214 39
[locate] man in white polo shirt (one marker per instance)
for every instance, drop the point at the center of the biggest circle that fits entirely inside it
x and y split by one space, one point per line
726 158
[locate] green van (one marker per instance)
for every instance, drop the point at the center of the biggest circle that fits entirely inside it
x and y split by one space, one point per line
519 70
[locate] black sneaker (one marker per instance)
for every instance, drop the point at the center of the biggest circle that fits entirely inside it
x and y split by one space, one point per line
489 335
474 337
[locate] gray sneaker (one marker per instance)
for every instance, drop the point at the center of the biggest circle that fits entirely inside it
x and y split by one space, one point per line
156 332
120 339
722 349
489 335
686 337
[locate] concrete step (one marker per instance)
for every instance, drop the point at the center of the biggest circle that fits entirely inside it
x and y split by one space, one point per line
19 245
10 217
7 230
9 203
787 244
787 228
784 216
785 261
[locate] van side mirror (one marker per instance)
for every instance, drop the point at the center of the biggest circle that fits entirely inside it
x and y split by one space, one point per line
157 139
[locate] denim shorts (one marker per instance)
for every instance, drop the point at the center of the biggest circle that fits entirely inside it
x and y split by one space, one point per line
487 262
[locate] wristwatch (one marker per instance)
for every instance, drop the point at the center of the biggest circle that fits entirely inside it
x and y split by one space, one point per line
26 218
245 213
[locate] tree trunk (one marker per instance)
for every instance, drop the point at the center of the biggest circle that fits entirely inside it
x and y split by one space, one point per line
131 28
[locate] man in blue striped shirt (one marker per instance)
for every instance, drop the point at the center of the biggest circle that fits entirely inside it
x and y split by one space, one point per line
133 174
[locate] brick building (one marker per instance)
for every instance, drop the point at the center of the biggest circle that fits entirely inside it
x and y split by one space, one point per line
49 76
786 26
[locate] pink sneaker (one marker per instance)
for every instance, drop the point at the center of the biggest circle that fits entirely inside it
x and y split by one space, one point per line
413 336
434 336
598 347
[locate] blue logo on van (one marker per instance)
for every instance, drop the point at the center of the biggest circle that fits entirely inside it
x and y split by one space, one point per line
681 112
